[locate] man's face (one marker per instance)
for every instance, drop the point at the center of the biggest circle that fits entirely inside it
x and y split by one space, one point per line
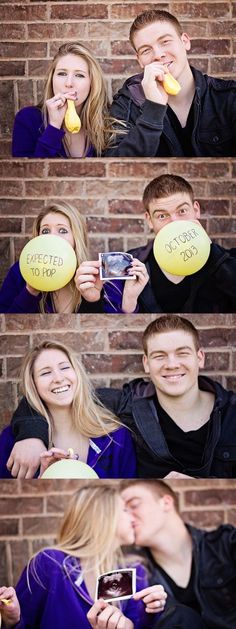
160 42
148 512
176 207
173 362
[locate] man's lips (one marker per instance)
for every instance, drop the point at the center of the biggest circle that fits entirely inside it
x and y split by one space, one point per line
174 377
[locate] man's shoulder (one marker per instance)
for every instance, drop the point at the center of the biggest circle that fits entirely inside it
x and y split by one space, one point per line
142 252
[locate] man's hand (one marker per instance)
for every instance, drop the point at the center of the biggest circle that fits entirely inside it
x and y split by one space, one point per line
177 475
87 280
154 598
102 615
153 77
10 611
24 459
133 288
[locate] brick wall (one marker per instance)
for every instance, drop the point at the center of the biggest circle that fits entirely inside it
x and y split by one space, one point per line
109 192
31 512
32 31
109 346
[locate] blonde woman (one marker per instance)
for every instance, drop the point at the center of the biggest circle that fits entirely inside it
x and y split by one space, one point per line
57 588
57 387
39 131
64 220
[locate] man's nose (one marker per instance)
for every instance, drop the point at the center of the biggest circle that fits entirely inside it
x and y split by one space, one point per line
158 53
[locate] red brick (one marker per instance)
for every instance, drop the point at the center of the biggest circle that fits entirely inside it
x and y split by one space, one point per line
201 63
5 148
126 340
119 66
20 207
17 344
201 9
220 28
74 11
221 65
52 32
19 554
13 367
217 361
21 169
77 342
125 207
114 225
210 497
9 68
109 30
12 31
38 67
204 519
99 48
220 225
201 169
129 10
214 207
18 50
121 47
23 13
40 525
19 506
78 168
217 337
11 188
12 225
3 564
136 168
25 90
111 364
4 256
9 526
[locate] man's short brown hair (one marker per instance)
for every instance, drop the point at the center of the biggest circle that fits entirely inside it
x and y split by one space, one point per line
150 16
164 186
158 488
168 323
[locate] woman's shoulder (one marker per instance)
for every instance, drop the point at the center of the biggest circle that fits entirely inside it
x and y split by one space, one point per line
48 559
31 112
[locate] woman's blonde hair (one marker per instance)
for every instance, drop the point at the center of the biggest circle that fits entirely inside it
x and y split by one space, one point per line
89 416
94 113
78 228
88 532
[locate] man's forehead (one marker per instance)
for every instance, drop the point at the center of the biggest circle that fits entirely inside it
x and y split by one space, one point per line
172 200
159 28
136 491
173 339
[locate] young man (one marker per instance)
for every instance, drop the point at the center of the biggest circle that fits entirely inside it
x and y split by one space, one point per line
197 568
200 121
211 289
182 425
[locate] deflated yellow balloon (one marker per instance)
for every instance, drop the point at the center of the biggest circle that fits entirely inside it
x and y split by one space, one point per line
47 263
72 120
69 468
171 86
182 247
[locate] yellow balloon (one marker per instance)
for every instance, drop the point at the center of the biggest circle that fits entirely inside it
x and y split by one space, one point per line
182 247
47 262
69 468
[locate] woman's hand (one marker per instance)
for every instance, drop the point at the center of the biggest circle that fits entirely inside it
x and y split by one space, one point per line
57 106
51 456
133 288
102 615
10 611
154 598
24 459
87 280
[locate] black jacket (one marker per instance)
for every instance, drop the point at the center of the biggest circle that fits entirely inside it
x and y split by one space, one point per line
213 288
134 404
150 133
214 556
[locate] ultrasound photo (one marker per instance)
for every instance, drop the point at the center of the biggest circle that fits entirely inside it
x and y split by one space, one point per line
116 585
115 265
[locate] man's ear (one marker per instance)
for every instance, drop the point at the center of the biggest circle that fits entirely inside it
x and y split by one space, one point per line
146 364
197 209
148 219
201 358
167 502
186 41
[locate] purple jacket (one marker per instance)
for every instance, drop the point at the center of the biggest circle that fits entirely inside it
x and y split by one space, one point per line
31 139
15 298
111 456
57 598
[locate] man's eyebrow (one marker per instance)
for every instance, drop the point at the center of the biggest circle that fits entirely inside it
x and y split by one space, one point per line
158 39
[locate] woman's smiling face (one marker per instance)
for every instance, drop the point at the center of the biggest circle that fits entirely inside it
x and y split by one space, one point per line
55 378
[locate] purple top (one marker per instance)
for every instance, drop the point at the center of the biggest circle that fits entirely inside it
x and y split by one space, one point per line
111 456
56 596
15 298
31 139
